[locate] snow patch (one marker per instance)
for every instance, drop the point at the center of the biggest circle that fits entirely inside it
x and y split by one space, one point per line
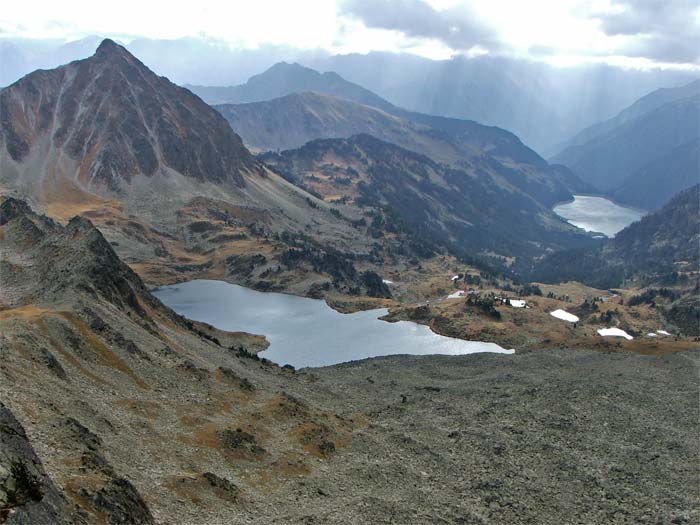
517 303
387 281
455 277
662 332
614 332
456 295
651 334
564 316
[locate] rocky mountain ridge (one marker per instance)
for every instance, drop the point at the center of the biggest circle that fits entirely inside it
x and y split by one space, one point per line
292 120
106 138
438 205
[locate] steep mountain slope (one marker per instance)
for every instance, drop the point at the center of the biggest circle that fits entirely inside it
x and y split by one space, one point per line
292 120
662 243
468 212
85 345
647 103
27 494
632 145
107 119
653 185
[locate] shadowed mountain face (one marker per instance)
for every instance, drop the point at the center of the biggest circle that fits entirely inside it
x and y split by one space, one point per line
662 243
107 119
653 185
290 121
647 103
466 212
647 153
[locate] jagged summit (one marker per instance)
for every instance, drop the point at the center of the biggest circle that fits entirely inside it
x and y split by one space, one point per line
111 51
105 121
108 46
57 260
12 208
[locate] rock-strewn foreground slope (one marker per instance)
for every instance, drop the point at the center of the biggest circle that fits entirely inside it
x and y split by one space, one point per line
137 416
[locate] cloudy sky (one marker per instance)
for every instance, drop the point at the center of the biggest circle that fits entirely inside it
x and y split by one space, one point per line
638 33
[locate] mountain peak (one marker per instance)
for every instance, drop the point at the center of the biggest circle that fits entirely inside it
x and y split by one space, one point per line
12 208
286 66
129 123
109 47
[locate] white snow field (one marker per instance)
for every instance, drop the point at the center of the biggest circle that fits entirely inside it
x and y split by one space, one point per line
614 332
564 316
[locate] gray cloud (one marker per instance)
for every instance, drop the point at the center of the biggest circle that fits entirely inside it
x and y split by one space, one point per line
656 29
456 27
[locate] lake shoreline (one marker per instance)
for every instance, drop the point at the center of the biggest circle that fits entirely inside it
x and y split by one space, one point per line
595 214
305 332
601 196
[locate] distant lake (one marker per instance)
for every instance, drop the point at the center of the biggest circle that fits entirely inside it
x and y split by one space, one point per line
307 332
596 214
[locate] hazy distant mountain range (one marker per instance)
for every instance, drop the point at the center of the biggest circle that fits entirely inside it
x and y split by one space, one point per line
311 105
194 60
283 79
543 105
527 98
645 154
